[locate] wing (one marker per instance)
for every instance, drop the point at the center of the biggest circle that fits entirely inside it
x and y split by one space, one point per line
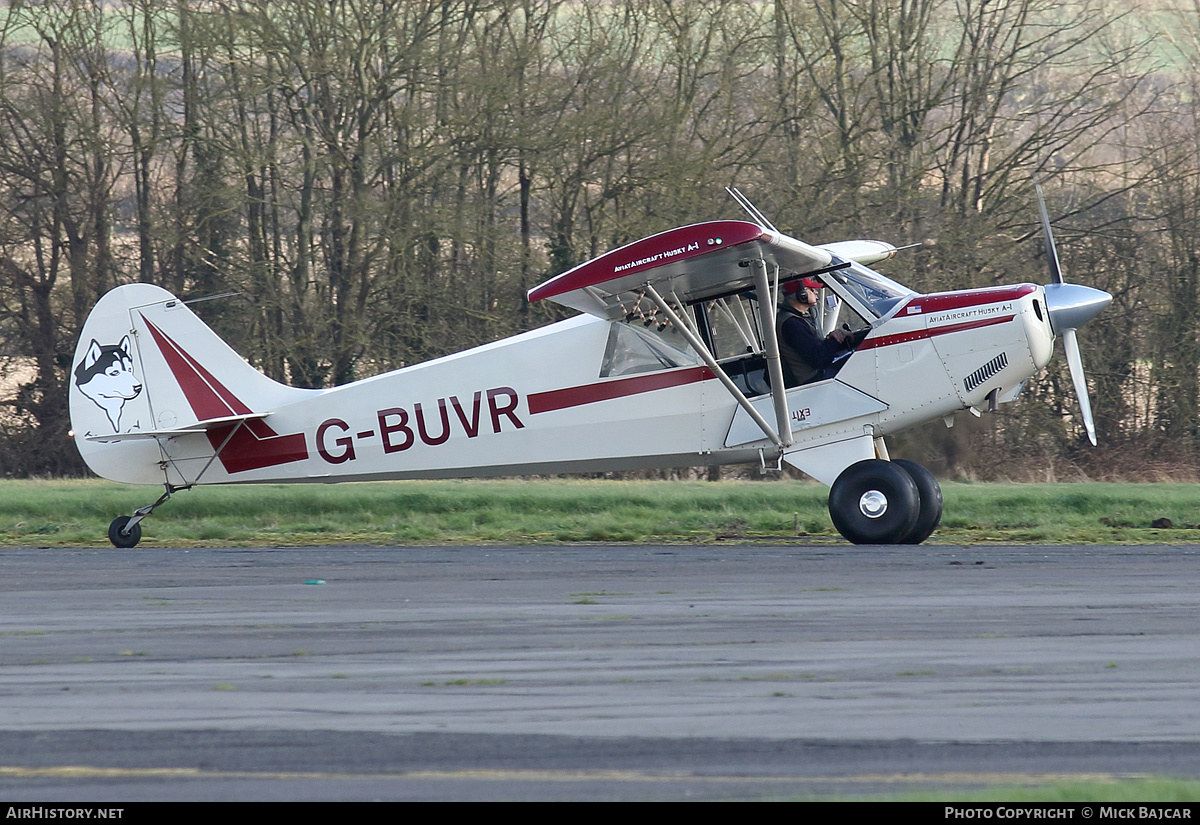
688 263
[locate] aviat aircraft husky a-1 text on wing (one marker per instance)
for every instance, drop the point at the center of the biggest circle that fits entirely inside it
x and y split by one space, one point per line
675 361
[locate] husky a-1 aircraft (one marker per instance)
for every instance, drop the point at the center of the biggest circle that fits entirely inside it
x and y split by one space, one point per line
674 362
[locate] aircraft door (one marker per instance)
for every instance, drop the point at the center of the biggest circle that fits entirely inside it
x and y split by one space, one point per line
730 328
736 341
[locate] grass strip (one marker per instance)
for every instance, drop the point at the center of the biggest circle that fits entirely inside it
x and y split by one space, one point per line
1160 790
76 513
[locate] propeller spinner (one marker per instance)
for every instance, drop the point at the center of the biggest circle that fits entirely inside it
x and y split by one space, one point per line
1070 306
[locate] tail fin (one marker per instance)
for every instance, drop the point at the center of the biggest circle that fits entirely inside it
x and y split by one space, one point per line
146 364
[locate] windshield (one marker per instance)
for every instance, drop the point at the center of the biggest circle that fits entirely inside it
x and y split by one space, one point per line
876 292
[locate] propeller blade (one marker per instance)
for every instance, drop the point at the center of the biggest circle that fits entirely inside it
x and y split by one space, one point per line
1075 364
1070 307
1056 275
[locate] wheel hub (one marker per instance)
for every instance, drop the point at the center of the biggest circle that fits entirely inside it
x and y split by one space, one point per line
873 504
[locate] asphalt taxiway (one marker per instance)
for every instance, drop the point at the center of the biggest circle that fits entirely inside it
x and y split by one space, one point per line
591 672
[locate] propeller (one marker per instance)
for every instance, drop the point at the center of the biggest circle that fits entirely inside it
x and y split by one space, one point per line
1070 306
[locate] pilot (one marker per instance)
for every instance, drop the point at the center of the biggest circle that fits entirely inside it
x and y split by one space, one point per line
805 355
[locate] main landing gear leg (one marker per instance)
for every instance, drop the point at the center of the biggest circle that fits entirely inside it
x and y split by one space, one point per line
885 502
126 531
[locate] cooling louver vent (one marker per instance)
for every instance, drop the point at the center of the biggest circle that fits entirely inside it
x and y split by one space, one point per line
986 371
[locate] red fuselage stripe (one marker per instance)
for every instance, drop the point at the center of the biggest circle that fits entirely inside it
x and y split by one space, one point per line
920 334
540 402
944 301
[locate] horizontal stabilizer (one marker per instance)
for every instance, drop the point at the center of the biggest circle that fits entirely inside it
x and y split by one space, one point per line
190 429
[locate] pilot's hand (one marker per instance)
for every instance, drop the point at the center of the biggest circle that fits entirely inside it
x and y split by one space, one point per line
848 338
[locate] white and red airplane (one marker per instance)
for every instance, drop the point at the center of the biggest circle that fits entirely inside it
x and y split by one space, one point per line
674 362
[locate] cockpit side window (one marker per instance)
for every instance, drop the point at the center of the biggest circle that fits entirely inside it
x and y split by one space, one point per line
735 337
733 326
838 314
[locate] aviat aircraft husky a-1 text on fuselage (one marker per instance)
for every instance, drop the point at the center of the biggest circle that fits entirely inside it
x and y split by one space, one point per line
675 361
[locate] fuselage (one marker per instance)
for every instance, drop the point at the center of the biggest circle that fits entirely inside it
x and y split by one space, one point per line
551 400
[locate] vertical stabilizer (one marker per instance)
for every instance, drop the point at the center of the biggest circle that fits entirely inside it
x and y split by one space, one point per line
146 363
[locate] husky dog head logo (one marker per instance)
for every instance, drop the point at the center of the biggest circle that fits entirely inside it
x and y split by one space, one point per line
105 376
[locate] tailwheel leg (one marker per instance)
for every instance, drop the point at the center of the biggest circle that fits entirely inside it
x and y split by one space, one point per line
126 531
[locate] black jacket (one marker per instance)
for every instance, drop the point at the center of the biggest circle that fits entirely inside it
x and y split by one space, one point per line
804 354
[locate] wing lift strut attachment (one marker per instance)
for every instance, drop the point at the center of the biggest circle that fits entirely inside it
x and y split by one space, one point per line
125 531
781 435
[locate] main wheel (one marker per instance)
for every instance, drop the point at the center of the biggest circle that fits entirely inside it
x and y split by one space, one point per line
874 502
931 502
120 539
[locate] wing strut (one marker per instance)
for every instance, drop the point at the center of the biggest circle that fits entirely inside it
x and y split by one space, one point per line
766 311
712 364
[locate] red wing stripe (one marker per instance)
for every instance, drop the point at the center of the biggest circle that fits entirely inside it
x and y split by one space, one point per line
540 402
650 253
919 334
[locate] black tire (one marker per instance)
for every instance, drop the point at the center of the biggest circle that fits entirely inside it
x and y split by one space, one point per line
119 539
931 502
874 502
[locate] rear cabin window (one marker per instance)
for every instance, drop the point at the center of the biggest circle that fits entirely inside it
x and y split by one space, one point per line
635 346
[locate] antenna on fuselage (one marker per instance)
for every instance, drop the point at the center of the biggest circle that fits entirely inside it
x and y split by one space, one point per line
750 208
213 297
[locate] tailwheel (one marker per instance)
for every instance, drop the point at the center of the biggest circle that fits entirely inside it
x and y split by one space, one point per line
123 537
126 531
931 502
874 502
